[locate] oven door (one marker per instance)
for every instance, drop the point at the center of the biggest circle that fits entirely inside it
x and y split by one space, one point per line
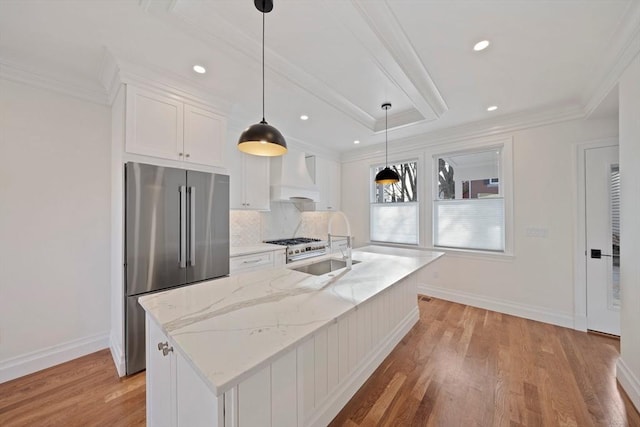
306 255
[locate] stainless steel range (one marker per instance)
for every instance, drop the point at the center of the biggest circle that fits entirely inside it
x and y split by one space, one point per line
301 247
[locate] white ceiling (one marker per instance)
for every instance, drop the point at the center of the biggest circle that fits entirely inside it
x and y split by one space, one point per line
338 60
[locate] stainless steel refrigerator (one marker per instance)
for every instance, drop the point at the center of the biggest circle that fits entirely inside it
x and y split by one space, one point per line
176 233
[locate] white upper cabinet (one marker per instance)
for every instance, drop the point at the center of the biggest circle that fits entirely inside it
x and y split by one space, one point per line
249 188
328 181
162 126
204 133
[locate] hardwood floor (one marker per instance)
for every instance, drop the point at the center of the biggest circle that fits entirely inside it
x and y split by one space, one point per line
82 392
459 366
463 366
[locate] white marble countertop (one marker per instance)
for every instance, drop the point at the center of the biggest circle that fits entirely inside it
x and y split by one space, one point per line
254 249
231 327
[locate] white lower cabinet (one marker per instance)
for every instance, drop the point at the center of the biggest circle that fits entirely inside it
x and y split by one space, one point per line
161 379
257 261
305 386
176 395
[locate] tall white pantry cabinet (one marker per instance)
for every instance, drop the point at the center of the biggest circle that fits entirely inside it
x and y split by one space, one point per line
161 127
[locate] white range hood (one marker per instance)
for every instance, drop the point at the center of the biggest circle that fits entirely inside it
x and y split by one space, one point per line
290 179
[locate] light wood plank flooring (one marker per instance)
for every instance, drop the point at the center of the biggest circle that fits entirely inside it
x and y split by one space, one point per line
459 366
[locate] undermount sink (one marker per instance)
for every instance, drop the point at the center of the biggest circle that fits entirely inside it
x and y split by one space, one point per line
322 267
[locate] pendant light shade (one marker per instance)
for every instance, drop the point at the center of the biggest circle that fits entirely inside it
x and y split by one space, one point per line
386 175
262 139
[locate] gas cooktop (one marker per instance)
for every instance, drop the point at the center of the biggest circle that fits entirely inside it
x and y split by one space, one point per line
301 247
292 241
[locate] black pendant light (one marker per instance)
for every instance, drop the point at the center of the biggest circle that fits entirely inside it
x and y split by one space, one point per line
262 139
386 175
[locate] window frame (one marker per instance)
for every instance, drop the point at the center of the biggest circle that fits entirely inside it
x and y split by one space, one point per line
505 179
418 202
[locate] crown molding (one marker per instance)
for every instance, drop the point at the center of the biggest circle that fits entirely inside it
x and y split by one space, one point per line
28 75
117 71
288 73
475 130
384 23
624 47
218 35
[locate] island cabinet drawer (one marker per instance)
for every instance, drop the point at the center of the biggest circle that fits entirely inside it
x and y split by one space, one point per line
253 262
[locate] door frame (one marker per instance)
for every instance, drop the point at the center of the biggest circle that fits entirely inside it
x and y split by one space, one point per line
580 230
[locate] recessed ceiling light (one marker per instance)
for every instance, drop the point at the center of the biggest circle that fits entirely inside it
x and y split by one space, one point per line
492 108
481 45
304 117
356 142
199 69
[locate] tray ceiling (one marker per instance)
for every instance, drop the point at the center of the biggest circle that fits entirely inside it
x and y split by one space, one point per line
337 60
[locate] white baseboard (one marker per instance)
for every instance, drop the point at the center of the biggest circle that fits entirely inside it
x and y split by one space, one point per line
118 356
502 306
332 406
35 361
629 382
580 323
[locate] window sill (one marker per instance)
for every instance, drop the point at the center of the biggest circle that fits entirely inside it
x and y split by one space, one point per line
476 254
457 253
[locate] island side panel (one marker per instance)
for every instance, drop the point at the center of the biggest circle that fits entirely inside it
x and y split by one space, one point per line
310 384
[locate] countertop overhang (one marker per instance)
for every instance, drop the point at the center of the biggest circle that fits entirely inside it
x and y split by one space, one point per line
229 328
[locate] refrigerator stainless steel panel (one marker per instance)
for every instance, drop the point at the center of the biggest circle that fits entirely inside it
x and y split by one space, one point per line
155 201
177 233
134 336
208 249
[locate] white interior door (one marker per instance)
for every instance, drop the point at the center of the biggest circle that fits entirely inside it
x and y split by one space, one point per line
602 183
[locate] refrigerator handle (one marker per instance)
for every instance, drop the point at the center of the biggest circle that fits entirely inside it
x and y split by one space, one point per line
192 226
183 227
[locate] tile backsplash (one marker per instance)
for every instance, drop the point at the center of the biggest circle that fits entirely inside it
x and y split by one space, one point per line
283 221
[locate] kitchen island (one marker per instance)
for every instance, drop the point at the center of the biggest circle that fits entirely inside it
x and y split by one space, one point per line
277 347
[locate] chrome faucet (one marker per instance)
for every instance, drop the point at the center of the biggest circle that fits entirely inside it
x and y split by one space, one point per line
346 257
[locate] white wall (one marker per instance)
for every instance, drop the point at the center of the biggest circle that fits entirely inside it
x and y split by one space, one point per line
54 228
537 282
628 371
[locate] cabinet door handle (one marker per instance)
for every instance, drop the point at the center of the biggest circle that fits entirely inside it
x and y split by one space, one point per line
167 350
188 155
252 261
180 154
162 345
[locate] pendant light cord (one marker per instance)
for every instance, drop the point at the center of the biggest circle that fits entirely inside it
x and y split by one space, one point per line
386 137
263 66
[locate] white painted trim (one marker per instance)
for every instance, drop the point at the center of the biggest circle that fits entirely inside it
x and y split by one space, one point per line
580 232
383 22
499 126
45 358
26 75
531 312
505 143
118 355
333 404
218 34
116 71
619 55
629 382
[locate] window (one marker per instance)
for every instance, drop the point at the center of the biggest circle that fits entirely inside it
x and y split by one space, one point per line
394 207
468 207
